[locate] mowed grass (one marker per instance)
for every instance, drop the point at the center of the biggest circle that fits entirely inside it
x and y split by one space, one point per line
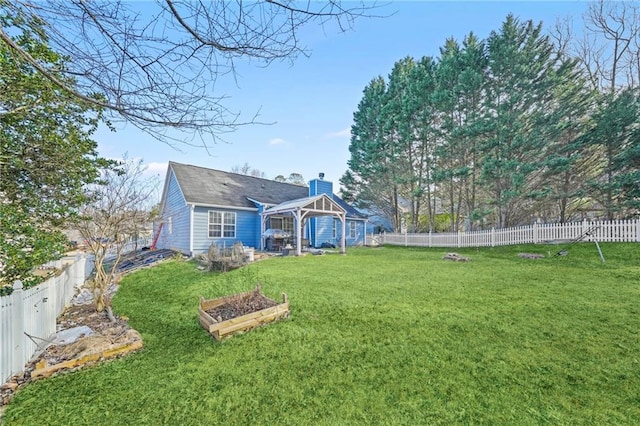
389 335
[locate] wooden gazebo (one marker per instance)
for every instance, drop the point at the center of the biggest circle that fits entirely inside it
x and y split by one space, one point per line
302 209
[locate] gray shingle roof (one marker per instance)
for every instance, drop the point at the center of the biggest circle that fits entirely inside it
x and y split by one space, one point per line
351 211
215 187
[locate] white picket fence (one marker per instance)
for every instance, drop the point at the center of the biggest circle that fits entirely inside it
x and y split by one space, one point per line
601 231
28 317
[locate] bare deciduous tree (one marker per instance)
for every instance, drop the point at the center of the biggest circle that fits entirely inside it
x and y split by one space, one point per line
156 66
246 169
609 49
119 205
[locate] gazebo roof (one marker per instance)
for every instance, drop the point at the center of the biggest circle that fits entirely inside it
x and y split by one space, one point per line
318 205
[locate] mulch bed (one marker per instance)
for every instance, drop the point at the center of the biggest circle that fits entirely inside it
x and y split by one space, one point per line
106 334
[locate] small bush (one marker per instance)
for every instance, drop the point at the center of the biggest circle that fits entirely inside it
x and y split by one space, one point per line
223 259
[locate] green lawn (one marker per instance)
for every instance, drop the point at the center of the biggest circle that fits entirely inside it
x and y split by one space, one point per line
380 336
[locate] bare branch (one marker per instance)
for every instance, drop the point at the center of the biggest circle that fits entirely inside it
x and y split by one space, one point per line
618 23
157 65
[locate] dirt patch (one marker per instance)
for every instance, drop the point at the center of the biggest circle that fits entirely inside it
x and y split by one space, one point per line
241 304
531 255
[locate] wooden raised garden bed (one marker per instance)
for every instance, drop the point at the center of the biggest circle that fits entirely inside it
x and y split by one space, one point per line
225 316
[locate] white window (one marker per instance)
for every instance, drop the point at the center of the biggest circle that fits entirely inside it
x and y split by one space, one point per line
169 225
334 230
352 229
222 224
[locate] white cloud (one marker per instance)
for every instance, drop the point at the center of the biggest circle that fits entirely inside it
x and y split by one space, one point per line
277 141
344 133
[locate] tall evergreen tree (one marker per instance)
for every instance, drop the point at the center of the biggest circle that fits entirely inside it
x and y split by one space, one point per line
616 137
470 86
426 140
370 179
570 162
458 98
522 72
406 113
446 99
503 131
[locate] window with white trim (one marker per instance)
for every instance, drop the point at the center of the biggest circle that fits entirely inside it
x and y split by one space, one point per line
352 229
334 230
222 224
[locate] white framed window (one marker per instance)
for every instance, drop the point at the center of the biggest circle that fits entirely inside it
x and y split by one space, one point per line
334 229
352 229
222 224
170 225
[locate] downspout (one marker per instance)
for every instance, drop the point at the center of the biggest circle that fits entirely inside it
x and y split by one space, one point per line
313 221
192 209
343 219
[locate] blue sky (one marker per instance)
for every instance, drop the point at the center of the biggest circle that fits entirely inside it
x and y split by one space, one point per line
312 101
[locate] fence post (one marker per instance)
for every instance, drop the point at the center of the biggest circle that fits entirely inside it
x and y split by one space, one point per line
431 241
535 232
637 230
405 238
493 237
18 327
585 229
81 266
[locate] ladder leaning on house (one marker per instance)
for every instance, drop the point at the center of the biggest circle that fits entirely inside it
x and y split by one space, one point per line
155 237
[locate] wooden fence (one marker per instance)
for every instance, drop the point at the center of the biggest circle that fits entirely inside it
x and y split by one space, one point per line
601 231
28 317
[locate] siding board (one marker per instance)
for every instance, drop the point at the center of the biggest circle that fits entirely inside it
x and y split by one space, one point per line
175 232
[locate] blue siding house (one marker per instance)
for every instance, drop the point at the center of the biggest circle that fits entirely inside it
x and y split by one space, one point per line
202 206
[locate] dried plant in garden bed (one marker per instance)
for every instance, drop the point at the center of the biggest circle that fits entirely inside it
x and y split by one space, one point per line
241 304
228 315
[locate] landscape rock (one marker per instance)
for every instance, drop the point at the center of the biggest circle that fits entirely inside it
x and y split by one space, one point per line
70 335
456 257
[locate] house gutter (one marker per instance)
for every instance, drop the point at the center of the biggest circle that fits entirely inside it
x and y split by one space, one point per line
217 206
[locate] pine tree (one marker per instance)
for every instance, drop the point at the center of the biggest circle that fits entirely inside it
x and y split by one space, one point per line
518 115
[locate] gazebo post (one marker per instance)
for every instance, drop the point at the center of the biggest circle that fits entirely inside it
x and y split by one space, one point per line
262 223
298 231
